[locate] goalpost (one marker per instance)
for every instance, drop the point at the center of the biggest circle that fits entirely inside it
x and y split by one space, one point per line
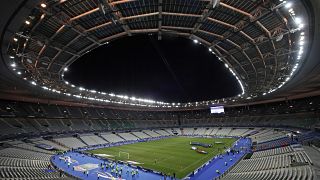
122 152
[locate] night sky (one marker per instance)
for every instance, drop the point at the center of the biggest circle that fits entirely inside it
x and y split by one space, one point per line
174 69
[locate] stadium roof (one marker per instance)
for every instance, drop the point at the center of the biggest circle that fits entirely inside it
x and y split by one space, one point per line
268 45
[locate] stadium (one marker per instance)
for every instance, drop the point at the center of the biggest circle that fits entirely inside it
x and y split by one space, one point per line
160 89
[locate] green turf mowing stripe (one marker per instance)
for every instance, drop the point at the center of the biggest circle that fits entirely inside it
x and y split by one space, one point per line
170 155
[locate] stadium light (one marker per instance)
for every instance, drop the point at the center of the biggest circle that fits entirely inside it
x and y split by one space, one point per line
65 69
43 5
288 5
298 20
27 22
13 65
19 73
196 41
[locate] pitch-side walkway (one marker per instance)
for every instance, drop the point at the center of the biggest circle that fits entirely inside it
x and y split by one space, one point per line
78 162
223 163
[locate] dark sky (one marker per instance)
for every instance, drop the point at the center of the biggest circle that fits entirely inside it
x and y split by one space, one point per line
172 70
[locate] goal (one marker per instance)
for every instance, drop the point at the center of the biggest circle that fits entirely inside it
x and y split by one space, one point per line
124 153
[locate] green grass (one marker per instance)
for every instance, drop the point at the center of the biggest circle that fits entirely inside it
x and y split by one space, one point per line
171 154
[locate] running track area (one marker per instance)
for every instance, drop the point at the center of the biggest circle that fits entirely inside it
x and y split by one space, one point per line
79 161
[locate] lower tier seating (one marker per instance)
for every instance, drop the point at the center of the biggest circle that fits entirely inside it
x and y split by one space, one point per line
292 173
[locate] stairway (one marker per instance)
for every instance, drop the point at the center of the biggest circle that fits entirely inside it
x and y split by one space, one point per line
314 154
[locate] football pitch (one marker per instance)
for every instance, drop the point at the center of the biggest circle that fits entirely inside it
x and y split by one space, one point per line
170 155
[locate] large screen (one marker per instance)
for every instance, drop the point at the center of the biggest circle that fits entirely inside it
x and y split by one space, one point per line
217 110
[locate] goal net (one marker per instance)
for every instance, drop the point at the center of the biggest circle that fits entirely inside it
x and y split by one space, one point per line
126 154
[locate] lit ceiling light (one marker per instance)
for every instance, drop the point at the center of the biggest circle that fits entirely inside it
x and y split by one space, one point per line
43 5
19 73
288 5
81 88
33 83
11 57
13 65
27 22
15 39
298 20
195 41
301 26
65 69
